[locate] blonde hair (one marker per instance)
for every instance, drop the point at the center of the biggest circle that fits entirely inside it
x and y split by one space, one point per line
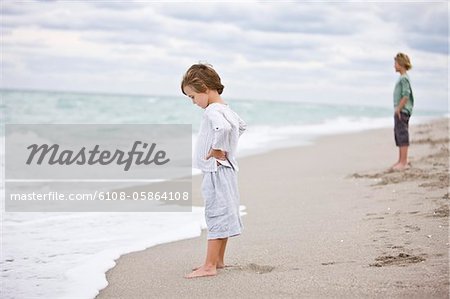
403 60
201 77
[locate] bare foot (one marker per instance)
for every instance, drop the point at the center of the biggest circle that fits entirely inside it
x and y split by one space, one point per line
400 166
202 272
219 266
393 166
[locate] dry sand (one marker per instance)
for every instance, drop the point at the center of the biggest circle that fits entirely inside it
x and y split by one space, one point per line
325 220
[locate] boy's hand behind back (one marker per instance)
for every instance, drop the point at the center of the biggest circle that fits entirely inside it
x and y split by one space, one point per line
218 154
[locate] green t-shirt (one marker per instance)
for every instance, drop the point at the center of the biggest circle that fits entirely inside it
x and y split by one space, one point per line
402 89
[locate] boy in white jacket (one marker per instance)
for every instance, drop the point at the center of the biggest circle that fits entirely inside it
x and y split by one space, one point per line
214 155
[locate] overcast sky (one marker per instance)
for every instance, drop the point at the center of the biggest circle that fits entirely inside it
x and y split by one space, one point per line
316 52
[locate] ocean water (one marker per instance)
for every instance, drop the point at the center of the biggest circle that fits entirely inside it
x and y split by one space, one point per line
66 255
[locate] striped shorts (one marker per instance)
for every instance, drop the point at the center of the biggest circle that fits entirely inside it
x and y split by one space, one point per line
221 197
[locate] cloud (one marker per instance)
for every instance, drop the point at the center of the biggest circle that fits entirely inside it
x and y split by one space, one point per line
424 25
266 17
262 50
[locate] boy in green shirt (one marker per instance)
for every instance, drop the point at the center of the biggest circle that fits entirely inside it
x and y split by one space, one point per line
403 103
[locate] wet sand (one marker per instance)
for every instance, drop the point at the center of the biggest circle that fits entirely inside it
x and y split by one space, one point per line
323 220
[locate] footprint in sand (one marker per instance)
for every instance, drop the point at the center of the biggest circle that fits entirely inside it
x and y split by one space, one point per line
334 263
258 269
402 259
371 214
411 228
442 211
395 246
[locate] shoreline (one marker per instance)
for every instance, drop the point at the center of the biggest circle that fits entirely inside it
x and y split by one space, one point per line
308 226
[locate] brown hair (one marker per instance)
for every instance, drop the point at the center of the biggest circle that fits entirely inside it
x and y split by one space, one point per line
403 60
201 77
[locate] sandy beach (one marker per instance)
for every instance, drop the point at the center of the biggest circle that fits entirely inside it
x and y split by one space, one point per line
324 220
